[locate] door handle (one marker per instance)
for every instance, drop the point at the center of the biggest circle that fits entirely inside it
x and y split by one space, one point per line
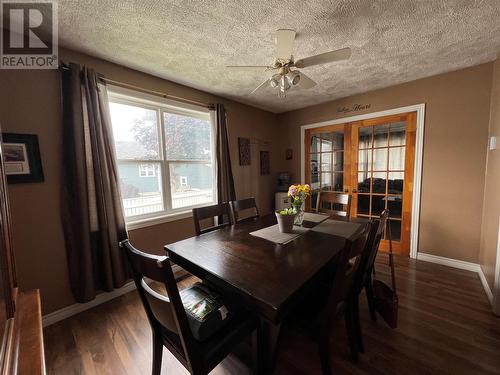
346 191
354 191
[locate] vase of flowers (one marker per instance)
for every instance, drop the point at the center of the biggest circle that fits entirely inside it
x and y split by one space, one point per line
285 219
298 195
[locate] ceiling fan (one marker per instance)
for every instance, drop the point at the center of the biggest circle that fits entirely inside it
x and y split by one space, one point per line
287 74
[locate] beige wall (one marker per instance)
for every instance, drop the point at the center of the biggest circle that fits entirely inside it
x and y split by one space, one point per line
491 211
30 103
456 127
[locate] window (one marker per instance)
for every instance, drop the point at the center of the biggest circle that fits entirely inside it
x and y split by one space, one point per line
147 170
164 154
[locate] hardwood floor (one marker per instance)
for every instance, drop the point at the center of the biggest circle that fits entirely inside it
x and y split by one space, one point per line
445 327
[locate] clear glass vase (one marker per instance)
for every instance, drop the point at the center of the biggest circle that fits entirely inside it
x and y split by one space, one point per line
299 209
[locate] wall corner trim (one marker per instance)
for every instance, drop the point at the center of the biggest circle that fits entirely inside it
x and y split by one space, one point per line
460 264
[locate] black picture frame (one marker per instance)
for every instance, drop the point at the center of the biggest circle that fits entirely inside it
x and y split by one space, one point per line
244 151
21 158
265 168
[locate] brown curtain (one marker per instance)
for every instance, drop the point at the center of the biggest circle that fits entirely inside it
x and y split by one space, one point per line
225 181
92 212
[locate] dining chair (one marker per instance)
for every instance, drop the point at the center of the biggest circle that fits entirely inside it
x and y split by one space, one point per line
366 277
329 300
220 211
199 338
243 205
337 205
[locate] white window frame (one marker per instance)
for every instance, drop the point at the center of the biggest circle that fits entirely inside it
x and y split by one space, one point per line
160 105
183 181
147 170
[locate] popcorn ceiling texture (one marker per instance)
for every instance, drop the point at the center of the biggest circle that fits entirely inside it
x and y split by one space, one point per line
190 42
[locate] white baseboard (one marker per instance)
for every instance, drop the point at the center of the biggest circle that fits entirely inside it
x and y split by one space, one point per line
77 308
455 263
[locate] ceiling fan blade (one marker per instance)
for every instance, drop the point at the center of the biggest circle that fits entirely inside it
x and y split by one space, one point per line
266 82
306 82
249 67
324 58
284 43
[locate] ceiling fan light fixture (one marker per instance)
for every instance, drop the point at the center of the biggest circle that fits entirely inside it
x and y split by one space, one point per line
284 83
294 77
274 81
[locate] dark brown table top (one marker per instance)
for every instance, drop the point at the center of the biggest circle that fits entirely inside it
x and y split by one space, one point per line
270 278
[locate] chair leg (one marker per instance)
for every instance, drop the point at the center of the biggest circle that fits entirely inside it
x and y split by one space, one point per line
157 354
324 352
357 324
351 331
371 299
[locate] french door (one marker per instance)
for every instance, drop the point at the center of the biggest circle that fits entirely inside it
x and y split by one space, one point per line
373 160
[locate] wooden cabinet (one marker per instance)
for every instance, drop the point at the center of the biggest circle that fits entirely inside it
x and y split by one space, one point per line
21 338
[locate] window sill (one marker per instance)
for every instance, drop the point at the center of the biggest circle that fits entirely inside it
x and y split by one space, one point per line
151 221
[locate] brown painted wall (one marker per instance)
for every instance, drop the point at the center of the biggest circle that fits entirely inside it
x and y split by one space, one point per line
30 103
491 210
456 127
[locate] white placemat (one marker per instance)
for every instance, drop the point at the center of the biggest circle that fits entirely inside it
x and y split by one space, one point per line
337 228
315 218
273 234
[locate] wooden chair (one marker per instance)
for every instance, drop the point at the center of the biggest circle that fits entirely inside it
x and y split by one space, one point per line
222 211
347 265
362 278
169 321
244 204
366 278
331 200
328 302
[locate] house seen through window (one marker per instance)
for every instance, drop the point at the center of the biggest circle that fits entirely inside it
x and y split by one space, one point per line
147 170
164 156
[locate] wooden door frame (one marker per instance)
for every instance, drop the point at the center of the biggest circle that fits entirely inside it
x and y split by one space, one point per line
419 148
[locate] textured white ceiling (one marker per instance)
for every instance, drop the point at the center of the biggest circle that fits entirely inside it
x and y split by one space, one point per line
190 42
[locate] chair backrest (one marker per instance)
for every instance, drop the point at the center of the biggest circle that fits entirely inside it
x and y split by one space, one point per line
374 239
222 211
162 311
329 202
347 265
242 205
370 252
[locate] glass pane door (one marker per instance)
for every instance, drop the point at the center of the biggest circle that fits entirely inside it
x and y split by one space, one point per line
380 172
325 159
383 152
373 160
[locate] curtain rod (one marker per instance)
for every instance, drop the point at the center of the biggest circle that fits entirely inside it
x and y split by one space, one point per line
156 93
64 66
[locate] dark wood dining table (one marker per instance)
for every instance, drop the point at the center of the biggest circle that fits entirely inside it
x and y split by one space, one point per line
266 278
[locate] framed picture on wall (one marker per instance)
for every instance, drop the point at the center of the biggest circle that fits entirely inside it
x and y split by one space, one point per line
244 151
264 163
21 157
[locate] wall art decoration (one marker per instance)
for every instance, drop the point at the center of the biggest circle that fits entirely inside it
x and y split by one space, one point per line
22 158
265 167
244 151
